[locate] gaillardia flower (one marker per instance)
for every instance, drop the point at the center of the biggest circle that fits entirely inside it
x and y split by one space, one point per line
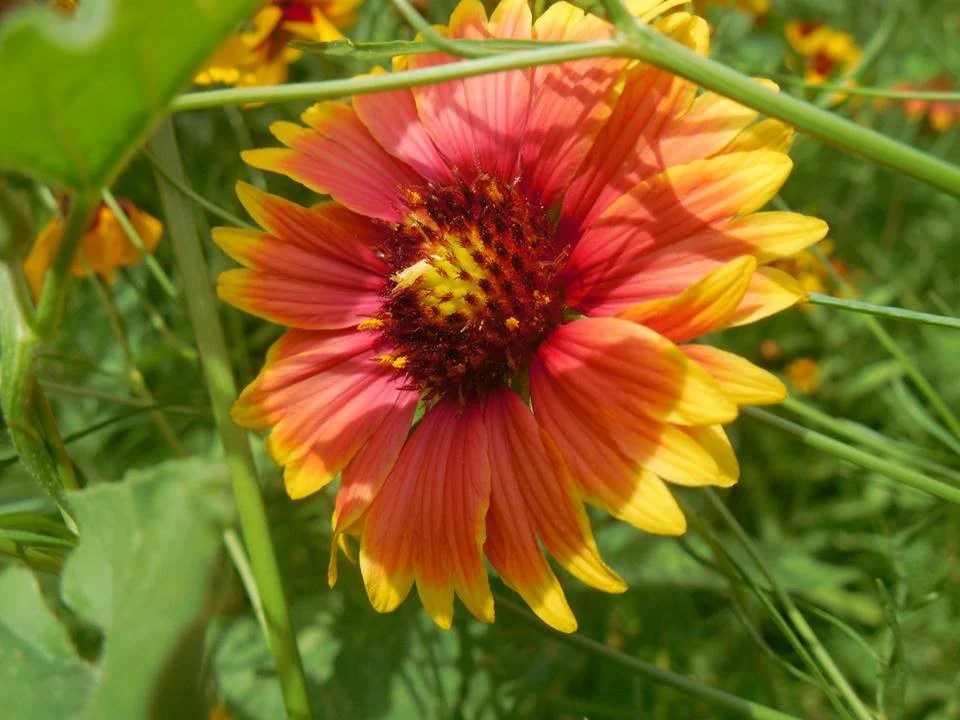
520 255
103 248
826 52
261 55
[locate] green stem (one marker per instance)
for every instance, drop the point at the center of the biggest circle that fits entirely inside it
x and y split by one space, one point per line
242 564
870 438
133 377
803 628
883 311
328 89
418 23
34 558
50 305
913 372
885 339
131 232
387 49
201 306
189 192
865 91
832 129
34 436
641 42
859 457
746 708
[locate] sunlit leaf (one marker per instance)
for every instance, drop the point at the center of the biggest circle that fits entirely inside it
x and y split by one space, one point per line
80 92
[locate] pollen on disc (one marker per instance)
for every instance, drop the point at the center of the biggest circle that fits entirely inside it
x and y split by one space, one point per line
473 288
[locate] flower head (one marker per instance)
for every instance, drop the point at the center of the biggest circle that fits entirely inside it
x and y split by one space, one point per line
261 55
525 257
826 52
804 375
103 249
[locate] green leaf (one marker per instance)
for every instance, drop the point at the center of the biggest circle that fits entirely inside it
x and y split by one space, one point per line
82 92
244 666
40 674
141 575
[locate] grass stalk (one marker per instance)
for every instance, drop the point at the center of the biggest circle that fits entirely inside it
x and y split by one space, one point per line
201 306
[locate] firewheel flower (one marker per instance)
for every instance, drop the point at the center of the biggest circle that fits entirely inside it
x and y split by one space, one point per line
103 248
522 258
826 52
261 56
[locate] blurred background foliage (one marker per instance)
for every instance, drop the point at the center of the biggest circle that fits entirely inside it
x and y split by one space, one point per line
872 564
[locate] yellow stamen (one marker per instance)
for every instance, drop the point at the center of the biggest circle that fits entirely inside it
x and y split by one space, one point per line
370 324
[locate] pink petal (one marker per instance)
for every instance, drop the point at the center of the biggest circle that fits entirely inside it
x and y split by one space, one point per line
392 119
477 123
339 157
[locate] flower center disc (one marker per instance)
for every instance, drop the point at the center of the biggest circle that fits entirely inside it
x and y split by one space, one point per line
473 289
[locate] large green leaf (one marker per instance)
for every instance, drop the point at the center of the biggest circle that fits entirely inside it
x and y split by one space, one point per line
141 574
40 673
80 93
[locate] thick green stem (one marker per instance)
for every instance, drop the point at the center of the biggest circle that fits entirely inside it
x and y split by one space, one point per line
832 129
441 42
28 418
746 708
644 43
201 305
328 89
859 457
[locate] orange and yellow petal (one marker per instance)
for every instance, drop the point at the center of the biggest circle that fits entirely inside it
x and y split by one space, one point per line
337 156
622 155
700 309
635 370
324 396
427 524
738 378
605 271
533 497
606 473
104 247
571 102
309 275
766 236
